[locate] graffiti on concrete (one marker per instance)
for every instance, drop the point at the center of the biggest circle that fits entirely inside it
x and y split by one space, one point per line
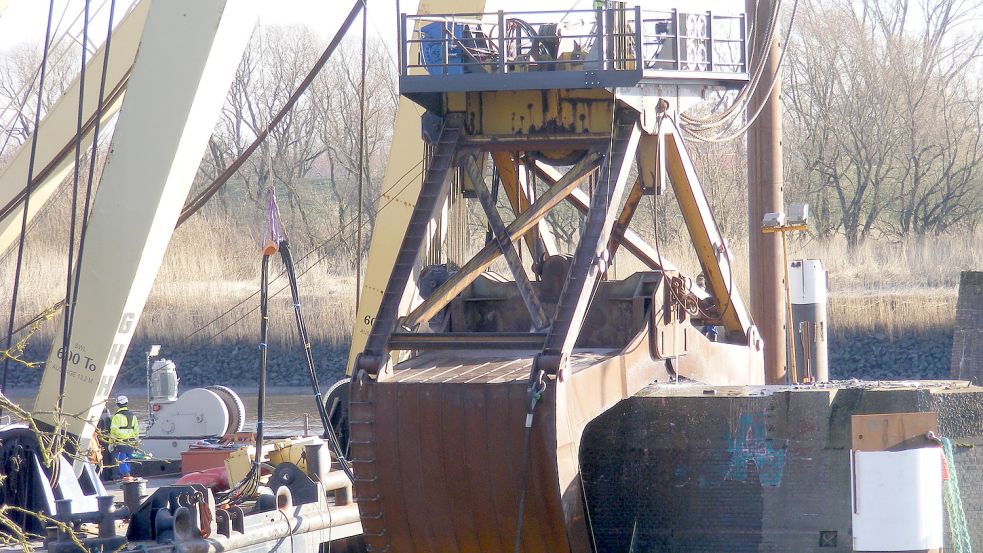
750 448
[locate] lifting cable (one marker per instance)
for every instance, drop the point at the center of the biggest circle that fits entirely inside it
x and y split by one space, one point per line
276 240
93 157
361 163
27 197
72 222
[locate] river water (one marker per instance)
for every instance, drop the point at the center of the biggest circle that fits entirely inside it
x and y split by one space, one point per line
285 409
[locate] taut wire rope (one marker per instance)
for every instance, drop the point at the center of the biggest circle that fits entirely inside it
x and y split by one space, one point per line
93 157
66 341
361 162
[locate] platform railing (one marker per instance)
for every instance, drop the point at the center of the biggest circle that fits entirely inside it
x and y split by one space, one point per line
462 43
694 41
600 44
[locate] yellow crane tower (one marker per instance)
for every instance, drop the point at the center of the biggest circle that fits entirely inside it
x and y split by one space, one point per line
470 390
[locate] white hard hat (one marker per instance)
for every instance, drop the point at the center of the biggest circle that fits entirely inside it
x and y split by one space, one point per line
122 400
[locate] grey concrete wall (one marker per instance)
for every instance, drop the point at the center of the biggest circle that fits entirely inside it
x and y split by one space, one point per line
967 340
672 472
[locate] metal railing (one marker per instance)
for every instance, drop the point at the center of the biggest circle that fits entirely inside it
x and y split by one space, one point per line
651 43
697 41
509 42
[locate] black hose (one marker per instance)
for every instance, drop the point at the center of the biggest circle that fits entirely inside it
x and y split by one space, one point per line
322 412
302 332
264 321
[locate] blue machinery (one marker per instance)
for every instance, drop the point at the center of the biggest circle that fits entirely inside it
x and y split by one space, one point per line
575 49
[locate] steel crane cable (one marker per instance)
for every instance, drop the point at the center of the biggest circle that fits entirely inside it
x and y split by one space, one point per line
66 341
202 198
93 156
27 198
361 162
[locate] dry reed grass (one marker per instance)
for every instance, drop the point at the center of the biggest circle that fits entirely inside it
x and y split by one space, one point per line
205 291
893 288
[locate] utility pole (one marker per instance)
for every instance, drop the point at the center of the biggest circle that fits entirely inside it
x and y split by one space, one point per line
765 194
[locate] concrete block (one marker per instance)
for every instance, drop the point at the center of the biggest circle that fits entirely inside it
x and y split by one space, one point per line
757 469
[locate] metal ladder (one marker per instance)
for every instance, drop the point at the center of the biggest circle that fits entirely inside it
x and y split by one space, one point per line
432 194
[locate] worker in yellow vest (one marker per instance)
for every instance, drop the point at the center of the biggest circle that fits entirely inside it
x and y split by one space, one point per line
124 431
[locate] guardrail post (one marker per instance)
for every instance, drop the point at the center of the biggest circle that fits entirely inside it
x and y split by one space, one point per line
744 41
709 40
502 67
402 45
639 64
599 37
675 32
447 47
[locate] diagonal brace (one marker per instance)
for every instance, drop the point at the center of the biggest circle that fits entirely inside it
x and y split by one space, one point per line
589 261
484 258
529 296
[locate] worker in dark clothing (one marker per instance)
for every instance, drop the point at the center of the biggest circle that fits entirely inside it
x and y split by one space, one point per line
124 432
105 424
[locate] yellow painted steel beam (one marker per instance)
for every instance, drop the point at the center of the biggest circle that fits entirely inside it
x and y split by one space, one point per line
187 59
631 241
507 246
628 238
515 190
56 144
527 190
709 244
401 187
626 215
484 258
534 112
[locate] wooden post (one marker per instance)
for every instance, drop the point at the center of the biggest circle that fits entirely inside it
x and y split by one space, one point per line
765 195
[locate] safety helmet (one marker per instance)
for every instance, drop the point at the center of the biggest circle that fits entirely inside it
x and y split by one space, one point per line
122 400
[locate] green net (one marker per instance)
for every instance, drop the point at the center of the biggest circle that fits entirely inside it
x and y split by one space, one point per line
954 504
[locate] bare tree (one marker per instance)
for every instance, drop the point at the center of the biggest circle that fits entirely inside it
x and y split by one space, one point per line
883 129
312 155
19 69
337 114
